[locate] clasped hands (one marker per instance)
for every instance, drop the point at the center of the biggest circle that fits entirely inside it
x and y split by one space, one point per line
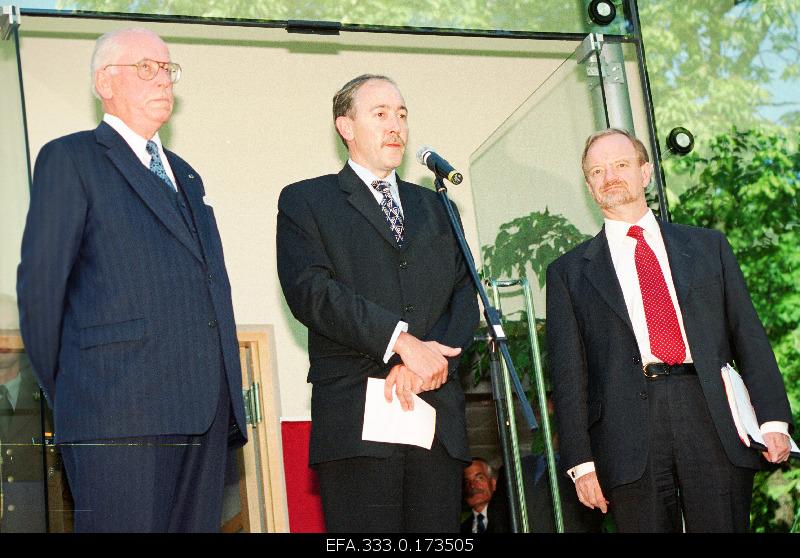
424 368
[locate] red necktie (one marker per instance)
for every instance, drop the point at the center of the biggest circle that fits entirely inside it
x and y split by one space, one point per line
663 329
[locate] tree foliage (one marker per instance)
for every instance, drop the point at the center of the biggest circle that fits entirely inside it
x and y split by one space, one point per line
749 188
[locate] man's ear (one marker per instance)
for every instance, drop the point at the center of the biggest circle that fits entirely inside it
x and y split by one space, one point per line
647 173
102 84
344 124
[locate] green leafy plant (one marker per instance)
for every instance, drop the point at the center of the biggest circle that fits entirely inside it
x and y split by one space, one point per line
748 187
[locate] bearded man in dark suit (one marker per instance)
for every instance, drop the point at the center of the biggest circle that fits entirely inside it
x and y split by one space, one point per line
640 320
370 265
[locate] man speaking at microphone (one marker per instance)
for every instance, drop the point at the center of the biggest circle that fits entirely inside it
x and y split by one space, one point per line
370 265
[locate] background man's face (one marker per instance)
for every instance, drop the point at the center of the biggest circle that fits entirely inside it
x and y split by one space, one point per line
141 104
614 175
478 485
378 132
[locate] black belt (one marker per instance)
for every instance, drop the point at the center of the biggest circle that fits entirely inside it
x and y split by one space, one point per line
654 370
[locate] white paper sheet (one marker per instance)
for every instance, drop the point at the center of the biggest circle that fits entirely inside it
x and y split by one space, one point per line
744 416
388 422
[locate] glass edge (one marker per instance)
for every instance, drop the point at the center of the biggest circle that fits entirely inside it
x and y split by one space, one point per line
320 26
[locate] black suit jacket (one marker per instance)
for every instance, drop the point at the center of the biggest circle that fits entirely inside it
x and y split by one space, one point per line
125 309
497 519
599 389
344 278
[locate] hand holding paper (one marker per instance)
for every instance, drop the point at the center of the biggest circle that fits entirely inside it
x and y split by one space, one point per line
388 422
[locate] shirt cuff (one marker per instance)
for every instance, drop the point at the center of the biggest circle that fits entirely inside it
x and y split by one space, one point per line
775 426
400 328
579 470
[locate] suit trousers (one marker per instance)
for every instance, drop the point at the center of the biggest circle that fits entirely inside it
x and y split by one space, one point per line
688 478
169 483
414 490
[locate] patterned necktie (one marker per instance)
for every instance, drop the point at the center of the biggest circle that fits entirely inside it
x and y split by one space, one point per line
6 411
481 528
663 329
390 210
156 166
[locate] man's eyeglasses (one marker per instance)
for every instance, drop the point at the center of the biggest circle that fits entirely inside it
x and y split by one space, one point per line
147 69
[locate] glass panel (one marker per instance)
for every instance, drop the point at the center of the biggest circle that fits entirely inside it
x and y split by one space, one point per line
530 199
555 16
22 479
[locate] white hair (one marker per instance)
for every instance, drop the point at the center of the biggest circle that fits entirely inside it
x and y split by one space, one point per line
109 48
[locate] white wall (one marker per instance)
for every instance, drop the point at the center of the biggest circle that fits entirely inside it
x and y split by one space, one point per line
254 114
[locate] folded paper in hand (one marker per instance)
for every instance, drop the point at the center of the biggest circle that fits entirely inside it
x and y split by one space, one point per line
388 422
744 416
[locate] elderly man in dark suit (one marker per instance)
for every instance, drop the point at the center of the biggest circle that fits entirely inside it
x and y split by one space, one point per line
487 514
640 319
125 308
370 265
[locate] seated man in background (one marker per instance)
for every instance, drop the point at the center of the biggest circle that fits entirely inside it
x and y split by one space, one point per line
480 483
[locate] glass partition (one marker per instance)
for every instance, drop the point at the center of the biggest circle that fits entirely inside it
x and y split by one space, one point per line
556 16
22 459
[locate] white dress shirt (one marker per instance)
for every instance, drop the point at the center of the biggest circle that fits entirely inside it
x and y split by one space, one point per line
139 144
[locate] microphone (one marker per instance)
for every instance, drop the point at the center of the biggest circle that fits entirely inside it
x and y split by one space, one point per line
441 168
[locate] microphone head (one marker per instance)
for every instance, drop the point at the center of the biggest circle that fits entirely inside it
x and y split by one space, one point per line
422 153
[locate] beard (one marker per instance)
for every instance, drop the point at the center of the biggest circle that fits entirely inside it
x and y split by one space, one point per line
616 197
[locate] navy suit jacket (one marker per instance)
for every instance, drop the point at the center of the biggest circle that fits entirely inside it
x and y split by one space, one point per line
345 278
599 389
125 310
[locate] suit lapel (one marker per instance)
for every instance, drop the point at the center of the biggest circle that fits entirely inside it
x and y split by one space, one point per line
413 218
599 270
364 202
681 255
192 188
145 183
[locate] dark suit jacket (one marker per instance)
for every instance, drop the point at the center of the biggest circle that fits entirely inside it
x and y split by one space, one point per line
344 278
497 519
125 310
598 386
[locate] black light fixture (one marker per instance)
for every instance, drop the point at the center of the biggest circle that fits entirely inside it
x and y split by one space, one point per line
680 141
602 12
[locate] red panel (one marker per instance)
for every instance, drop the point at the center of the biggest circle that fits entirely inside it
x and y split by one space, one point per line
302 486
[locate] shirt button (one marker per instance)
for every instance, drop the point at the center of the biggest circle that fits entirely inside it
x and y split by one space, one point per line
11 507
10 479
409 308
212 324
642 395
210 277
403 264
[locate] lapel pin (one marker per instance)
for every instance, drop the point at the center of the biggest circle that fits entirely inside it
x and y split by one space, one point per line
191 176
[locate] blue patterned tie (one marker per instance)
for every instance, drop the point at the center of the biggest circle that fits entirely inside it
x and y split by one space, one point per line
156 166
390 210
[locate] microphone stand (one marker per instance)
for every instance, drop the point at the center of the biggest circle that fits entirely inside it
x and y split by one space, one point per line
498 343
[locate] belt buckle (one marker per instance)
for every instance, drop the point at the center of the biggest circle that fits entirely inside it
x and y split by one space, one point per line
654 376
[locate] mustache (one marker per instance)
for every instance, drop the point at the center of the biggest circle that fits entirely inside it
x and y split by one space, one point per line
615 182
394 139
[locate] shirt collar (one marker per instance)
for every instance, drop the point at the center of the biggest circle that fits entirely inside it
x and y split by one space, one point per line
13 389
134 140
618 230
368 177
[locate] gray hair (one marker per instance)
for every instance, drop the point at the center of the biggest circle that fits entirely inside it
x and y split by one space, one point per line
641 150
489 469
344 99
109 48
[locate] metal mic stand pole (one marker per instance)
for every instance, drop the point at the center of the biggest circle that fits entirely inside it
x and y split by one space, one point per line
519 519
